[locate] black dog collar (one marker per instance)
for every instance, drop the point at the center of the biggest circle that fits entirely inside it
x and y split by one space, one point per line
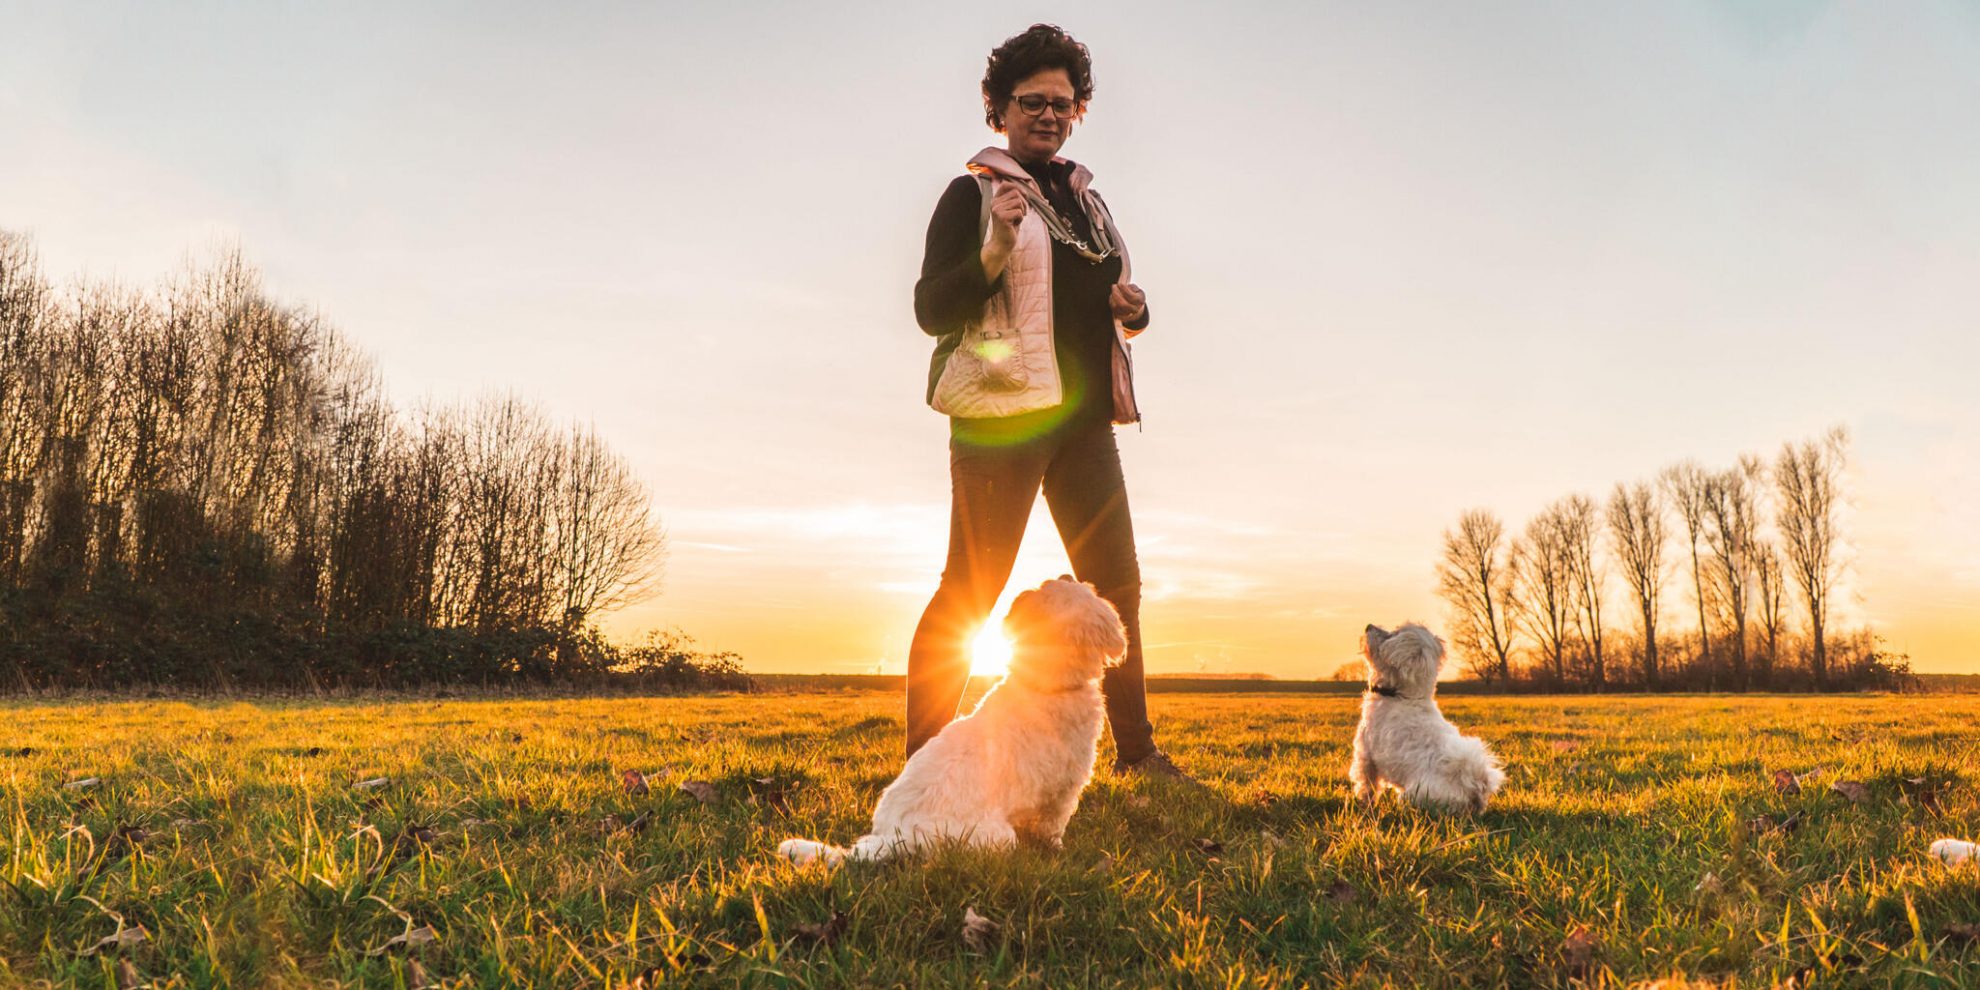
1386 692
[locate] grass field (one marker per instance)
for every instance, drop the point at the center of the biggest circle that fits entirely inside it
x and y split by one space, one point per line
1638 839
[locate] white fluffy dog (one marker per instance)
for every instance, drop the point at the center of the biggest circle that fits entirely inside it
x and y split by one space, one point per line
1403 741
1014 768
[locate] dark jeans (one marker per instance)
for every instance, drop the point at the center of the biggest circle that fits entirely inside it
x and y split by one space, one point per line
993 483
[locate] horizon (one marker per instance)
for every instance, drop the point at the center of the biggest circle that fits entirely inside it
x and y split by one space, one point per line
1425 261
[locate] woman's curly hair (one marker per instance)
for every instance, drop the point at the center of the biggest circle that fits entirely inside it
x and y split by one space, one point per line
1040 47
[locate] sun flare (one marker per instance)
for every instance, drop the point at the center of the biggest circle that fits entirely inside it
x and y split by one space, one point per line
990 652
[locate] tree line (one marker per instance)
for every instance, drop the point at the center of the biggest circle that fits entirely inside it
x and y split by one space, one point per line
199 484
1750 555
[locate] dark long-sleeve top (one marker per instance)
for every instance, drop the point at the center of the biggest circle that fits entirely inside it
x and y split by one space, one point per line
952 290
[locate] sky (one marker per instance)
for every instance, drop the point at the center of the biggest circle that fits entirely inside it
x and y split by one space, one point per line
1405 259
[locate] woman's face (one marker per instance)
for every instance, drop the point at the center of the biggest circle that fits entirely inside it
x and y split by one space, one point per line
1037 139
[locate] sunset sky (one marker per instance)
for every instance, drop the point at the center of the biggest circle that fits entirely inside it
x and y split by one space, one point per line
1404 260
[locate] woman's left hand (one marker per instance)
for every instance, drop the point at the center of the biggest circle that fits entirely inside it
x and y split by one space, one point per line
1127 301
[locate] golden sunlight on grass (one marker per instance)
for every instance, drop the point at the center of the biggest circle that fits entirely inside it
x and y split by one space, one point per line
990 652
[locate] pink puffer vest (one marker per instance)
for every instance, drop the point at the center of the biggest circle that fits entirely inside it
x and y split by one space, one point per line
1005 363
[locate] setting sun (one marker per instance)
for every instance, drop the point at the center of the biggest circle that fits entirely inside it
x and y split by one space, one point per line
990 652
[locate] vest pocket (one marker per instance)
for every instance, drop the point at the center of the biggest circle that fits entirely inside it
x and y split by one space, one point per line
1126 410
998 356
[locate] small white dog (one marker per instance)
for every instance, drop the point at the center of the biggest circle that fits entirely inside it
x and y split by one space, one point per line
1403 740
1014 768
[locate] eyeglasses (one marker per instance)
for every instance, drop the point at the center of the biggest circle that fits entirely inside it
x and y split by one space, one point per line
1034 105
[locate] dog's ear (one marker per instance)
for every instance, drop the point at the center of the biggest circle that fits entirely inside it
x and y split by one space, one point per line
1098 628
1020 614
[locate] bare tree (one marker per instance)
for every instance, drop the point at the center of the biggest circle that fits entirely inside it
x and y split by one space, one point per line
606 551
1808 479
1544 589
239 460
1580 520
1732 521
1770 590
1685 485
1475 579
502 527
78 431
25 343
1637 530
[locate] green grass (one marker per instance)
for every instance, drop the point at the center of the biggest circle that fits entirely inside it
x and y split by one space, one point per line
1620 851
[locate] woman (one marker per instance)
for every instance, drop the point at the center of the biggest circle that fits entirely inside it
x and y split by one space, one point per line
1025 286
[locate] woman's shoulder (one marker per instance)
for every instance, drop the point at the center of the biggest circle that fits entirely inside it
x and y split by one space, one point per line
964 185
961 202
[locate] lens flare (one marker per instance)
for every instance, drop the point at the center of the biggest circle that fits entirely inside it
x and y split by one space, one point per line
990 653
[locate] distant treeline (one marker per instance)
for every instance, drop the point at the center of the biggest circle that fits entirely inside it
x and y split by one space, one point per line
1751 553
202 486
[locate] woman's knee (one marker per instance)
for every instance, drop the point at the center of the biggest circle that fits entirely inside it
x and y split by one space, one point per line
1120 585
962 597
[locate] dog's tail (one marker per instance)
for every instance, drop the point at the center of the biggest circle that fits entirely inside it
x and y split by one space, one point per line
869 847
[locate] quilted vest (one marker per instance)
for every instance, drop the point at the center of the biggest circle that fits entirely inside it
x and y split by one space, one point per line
1004 364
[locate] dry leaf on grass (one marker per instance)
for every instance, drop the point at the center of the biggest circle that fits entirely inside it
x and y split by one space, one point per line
1710 884
82 785
123 840
635 782
1785 783
1208 847
127 976
827 932
124 939
1923 791
412 839
702 790
372 784
771 793
1579 948
1770 824
1963 931
978 931
1855 790
416 978
412 939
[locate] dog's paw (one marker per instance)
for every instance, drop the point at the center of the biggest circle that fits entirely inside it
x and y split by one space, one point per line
1033 838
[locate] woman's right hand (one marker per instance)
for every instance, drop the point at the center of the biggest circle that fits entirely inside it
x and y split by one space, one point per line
1007 209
